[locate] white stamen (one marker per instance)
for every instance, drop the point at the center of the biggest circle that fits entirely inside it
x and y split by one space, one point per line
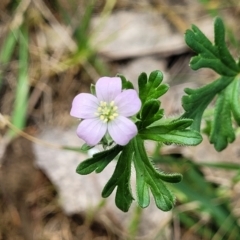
107 111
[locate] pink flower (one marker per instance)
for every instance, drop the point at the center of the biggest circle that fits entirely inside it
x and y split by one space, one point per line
108 111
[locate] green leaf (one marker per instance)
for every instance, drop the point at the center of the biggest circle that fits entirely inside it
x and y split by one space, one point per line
215 56
98 161
222 131
121 180
149 178
150 113
182 137
224 54
86 147
125 83
167 125
151 88
235 99
197 100
172 132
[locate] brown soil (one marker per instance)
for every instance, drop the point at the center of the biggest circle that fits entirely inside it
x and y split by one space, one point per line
29 206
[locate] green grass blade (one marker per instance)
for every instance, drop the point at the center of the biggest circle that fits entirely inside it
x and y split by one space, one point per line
21 96
81 34
7 50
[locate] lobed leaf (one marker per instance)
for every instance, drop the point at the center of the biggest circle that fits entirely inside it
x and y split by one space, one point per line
215 56
121 180
151 88
222 131
167 125
224 54
149 178
235 99
172 132
197 100
150 113
182 137
98 161
125 83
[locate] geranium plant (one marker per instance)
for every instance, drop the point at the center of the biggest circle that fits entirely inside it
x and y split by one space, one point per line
121 118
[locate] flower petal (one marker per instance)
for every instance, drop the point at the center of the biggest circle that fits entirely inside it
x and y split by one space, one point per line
122 130
84 105
108 88
92 131
128 103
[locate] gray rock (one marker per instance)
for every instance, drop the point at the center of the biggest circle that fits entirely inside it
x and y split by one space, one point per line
128 34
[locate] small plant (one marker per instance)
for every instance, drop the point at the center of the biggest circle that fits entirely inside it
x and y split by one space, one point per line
226 88
120 120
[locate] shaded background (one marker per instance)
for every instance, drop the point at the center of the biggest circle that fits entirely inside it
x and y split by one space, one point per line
52 50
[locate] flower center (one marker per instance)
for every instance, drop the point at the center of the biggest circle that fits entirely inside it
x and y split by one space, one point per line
107 111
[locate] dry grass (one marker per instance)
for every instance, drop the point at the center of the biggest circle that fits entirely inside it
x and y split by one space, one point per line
57 71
